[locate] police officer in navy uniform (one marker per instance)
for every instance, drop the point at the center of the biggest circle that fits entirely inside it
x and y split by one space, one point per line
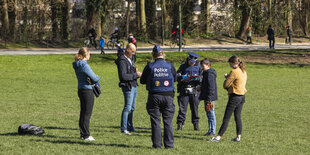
188 88
159 77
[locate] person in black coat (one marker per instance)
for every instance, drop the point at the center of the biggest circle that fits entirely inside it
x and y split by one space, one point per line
208 93
128 75
270 33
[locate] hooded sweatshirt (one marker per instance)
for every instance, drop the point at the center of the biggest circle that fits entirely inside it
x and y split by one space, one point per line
82 71
208 86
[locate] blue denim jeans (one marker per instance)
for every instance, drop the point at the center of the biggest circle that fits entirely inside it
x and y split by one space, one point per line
211 119
130 104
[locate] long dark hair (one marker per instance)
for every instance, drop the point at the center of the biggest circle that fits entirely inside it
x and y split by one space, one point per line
235 59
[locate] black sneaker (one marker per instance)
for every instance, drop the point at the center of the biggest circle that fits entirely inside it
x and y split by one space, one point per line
196 127
180 125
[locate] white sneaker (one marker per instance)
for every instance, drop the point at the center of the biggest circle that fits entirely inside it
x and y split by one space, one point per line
90 138
126 132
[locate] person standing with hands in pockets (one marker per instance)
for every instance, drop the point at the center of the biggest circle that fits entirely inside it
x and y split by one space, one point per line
128 75
235 85
208 93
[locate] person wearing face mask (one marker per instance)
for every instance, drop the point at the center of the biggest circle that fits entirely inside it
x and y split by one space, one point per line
188 88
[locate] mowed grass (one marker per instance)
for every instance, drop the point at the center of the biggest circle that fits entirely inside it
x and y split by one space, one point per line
43 90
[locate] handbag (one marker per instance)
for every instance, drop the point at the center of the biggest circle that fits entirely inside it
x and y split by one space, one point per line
97 89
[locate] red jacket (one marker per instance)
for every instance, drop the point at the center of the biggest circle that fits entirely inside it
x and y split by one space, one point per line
177 31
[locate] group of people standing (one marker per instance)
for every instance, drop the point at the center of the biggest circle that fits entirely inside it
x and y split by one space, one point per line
196 82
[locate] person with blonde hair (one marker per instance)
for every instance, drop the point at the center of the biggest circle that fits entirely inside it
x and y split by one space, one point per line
84 75
235 85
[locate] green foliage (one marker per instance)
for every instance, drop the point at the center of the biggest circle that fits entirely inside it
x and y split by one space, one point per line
43 90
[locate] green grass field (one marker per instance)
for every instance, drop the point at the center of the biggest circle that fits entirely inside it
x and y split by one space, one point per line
43 90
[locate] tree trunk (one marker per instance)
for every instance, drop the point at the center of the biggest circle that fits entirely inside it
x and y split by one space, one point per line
269 10
5 19
289 13
128 18
246 17
91 15
166 17
54 19
65 20
138 15
151 18
143 18
205 5
103 16
12 18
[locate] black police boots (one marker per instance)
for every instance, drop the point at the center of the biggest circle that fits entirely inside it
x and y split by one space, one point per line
180 125
196 127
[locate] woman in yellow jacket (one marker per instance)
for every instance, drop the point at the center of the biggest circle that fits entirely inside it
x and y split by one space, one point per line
235 85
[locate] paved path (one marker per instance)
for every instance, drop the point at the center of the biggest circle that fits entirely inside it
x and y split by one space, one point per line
229 47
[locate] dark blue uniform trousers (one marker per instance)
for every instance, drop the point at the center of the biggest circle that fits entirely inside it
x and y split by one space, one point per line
183 101
157 105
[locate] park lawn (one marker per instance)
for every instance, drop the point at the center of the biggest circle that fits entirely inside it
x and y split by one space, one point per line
43 90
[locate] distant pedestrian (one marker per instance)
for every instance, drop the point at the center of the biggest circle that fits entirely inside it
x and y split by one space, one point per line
101 45
133 40
85 74
208 93
249 35
235 85
159 77
289 35
270 33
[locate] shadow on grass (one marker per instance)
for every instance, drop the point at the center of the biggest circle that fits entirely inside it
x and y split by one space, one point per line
44 135
90 143
59 128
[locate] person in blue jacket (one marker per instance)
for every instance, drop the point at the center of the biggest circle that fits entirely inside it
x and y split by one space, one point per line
159 77
208 93
188 88
84 74
101 45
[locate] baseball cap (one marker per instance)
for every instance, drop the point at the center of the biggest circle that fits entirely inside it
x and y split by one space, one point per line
156 49
192 57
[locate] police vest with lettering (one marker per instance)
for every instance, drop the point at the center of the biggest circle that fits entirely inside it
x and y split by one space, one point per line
161 78
195 70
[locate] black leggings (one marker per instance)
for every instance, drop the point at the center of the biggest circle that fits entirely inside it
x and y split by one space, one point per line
87 102
234 105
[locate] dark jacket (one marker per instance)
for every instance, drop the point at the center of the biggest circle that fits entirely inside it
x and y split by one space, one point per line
92 31
126 72
270 33
147 71
289 32
208 86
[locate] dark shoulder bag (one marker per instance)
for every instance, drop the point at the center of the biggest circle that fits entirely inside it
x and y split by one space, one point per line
96 87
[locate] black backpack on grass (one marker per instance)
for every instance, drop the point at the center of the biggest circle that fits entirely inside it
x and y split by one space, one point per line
30 129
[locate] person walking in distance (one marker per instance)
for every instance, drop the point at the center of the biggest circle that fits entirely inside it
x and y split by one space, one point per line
270 33
159 77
